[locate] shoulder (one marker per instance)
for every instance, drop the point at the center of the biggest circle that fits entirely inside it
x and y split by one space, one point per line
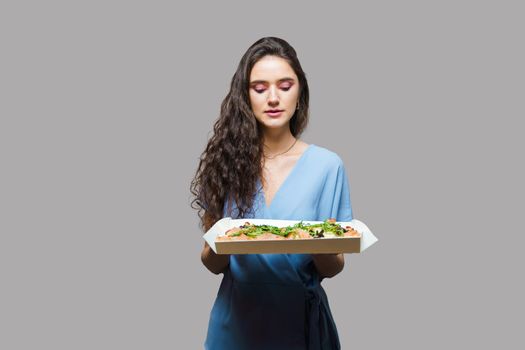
325 157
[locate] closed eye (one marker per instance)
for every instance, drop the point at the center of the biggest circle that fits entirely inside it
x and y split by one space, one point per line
260 91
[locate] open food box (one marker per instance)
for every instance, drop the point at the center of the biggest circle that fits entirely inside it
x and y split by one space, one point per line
360 238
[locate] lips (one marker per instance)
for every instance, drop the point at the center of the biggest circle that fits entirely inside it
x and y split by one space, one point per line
274 113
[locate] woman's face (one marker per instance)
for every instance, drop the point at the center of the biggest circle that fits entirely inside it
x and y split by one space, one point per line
274 86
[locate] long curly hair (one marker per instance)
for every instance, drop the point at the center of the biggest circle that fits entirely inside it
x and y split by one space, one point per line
231 164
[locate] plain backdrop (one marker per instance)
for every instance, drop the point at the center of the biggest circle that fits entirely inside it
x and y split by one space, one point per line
106 107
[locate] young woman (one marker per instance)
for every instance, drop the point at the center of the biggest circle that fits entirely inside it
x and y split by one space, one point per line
255 166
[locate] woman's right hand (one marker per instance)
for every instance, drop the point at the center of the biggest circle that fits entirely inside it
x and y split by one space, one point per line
216 263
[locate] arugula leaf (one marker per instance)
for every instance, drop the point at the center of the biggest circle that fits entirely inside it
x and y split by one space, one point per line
315 230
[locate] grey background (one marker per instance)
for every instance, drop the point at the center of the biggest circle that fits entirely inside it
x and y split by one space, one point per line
106 106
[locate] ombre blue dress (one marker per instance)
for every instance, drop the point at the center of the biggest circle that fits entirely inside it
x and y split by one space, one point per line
275 301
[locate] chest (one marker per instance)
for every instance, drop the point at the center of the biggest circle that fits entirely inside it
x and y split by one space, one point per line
275 173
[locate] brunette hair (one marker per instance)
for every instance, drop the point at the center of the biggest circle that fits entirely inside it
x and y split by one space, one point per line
231 164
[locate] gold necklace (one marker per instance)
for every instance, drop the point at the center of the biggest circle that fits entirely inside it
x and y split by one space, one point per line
279 154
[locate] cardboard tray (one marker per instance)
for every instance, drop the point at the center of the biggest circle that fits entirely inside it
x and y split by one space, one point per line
299 246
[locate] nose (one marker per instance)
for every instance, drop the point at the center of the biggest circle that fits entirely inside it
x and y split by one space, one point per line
273 97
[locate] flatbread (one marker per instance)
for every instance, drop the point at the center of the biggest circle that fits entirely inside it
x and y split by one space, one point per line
327 229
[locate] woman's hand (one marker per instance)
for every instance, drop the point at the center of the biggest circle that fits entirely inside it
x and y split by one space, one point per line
329 265
216 263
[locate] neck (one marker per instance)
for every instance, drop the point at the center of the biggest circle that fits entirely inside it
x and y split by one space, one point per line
276 141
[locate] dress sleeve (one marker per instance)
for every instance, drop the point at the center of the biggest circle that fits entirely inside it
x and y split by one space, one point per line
334 201
341 205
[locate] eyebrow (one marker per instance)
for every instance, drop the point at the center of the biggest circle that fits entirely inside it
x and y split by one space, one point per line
279 81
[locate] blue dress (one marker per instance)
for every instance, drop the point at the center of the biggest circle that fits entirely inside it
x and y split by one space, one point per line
275 301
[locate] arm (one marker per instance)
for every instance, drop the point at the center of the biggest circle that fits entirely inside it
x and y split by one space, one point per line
338 206
216 263
329 265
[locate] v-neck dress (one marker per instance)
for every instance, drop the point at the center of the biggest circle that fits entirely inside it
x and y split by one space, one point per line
275 301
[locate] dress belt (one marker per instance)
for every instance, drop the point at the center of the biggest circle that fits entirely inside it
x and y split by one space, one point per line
320 329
